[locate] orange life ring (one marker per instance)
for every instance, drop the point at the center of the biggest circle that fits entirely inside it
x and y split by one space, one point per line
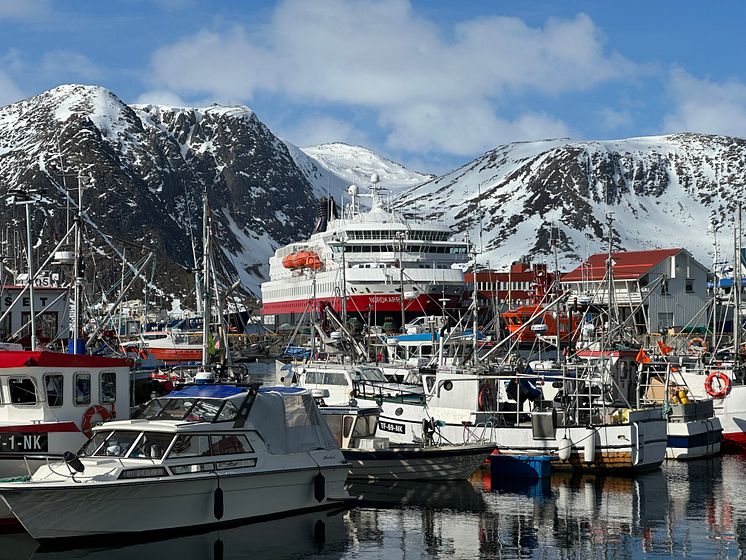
724 382
88 418
698 344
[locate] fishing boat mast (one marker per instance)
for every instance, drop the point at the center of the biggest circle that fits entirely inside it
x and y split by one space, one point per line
205 284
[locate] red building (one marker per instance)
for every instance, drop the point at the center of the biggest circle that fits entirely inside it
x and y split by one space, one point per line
520 285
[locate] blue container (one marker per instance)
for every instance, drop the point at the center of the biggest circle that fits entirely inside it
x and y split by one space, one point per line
521 466
71 347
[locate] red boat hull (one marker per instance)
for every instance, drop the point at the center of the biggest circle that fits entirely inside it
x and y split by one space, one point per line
375 303
175 355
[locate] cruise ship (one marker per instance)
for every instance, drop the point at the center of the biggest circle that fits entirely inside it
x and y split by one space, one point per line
376 260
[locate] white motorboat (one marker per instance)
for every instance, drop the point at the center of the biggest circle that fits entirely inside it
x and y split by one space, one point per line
202 456
374 458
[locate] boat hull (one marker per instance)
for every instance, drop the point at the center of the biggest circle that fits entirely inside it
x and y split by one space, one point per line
694 439
164 504
729 410
450 462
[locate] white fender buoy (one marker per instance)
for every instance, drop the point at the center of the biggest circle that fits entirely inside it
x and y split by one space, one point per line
565 449
589 447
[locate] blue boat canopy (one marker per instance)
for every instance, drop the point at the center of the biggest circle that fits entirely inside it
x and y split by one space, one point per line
209 391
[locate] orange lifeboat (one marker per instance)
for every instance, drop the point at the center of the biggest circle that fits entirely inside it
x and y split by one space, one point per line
290 261
313 260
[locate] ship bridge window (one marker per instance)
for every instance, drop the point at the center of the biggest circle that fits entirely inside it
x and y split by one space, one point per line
54 384
82 386
22 390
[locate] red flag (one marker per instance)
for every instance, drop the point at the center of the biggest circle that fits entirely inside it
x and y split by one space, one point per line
642 357
665 350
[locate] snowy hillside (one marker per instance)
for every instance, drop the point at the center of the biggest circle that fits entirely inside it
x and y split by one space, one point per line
356 164
148 166
663 191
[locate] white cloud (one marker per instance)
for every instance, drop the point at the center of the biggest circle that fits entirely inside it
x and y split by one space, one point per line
464 130
706 106
382 55
614 119
9 90
322 129
25 9
161 97
65 64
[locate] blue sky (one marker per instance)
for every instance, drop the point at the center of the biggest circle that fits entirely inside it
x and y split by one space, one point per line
432 84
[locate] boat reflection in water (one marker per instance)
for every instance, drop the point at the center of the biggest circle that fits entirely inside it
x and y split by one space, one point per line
693 509
322 534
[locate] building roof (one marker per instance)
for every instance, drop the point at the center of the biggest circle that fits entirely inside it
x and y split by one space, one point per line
628 265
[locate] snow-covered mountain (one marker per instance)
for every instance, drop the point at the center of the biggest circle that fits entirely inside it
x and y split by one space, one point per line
356 164
148 165
663 191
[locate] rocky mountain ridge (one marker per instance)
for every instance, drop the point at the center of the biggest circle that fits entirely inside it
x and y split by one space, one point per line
661 191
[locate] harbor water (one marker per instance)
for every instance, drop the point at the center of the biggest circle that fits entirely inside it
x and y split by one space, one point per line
691 509
685 510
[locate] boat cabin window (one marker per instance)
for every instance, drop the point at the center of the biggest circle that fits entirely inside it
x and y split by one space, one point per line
108 389
154 336
228 412
334 421
190 446
369 374
117 444
190 410
53 384
82 389
229 444
22 390
326 378
365 426
152 445
90 447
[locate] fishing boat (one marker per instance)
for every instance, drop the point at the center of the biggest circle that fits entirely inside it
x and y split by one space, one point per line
170 346
375 458
584 426
693 428
199 457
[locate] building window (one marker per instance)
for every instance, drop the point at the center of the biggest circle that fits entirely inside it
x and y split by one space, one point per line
689 286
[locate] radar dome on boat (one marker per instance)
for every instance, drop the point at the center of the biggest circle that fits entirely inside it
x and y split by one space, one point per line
374 178
352 190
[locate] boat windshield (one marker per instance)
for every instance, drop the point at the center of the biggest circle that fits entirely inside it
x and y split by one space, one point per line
147 445
190 410
369 374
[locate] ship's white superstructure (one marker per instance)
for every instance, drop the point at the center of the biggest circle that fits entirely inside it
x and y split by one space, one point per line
379 260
